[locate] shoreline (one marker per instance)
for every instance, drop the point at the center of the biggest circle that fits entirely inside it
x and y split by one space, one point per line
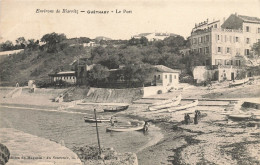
181 144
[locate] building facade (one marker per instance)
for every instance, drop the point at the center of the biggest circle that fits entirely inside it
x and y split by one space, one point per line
165 77
154 36
225 43
66 76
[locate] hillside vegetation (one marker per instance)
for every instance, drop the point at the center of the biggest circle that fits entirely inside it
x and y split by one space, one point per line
56 53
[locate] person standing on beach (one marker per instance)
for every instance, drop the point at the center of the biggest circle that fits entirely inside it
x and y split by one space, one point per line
146 126
196 118
112 121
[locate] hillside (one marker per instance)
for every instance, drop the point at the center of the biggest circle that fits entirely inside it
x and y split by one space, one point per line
37 64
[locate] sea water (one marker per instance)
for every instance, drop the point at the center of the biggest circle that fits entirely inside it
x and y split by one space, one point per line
72 129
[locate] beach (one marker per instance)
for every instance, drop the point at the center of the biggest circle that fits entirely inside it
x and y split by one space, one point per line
214 140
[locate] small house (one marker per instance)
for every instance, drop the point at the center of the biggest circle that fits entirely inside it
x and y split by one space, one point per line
165 76
65 76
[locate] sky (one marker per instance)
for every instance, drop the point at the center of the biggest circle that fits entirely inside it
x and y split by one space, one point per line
18 18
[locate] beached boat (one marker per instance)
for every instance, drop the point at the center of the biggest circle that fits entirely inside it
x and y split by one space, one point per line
174 102
93 120
186 106
239 116
125 128
238 82
116 109
164 101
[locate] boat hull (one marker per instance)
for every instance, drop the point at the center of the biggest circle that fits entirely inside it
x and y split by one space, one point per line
125 128
193 104
92 120
239 117
168 105
117 109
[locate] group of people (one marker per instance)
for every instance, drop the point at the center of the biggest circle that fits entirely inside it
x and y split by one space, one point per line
187 118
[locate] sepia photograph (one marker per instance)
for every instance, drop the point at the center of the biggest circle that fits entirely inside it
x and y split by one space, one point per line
129 82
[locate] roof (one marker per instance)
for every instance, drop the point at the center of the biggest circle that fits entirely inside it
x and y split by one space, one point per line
249 19
64 73
162 68
156 34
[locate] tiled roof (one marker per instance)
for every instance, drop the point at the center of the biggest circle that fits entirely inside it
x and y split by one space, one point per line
162 68
249 19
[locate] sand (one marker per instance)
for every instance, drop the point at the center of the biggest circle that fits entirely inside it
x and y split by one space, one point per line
213 140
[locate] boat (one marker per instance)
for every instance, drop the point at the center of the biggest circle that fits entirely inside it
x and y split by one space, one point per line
181 107
116 109
164 101
239 116
93 120
125 128
173 103
238 82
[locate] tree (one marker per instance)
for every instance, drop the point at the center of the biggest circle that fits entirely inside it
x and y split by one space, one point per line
21 43
138 73
53 41
98 73
174 41
144 41
32 44
8 45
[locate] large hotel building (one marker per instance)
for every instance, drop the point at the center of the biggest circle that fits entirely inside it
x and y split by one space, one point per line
226 42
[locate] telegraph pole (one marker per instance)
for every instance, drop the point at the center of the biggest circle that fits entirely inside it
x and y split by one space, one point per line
97 132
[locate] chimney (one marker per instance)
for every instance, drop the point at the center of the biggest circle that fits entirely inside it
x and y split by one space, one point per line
207 20
224 19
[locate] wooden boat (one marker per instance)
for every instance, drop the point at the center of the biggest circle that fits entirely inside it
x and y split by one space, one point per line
181 107
93 120
239 116
173 103
238 82
165 101
125 128
116 109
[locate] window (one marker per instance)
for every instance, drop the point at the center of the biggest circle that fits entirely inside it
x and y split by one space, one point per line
237 62
207 37
166 76
194 40
219 50
200 39
246 51
258 30
159 77
228 50
170 78
174 76
215 26
237 39
218 62
207 50
248 40
218 38
200 50
247 29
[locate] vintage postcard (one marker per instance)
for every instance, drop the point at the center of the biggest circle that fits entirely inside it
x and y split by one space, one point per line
129 82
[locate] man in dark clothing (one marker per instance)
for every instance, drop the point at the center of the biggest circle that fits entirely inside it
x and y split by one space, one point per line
196 118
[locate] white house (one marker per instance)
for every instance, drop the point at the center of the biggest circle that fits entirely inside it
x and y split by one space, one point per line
67 76
166 77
